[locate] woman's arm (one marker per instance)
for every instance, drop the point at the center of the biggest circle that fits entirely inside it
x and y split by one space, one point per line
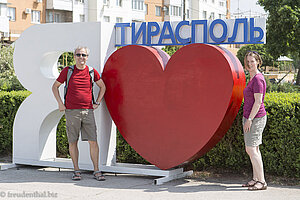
255 108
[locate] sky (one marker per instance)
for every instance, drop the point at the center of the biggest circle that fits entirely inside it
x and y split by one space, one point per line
248 8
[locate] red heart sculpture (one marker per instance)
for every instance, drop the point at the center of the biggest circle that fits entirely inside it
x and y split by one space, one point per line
175 115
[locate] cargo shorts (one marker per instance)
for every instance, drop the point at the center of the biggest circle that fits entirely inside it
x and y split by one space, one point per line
80 120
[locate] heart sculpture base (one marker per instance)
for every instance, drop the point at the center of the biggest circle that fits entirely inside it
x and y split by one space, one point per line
149 170
172 111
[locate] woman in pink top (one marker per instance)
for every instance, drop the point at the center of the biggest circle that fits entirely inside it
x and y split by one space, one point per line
254 119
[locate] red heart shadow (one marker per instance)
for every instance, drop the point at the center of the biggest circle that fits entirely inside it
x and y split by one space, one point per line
175 115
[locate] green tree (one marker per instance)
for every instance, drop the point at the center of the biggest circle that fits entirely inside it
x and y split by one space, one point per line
259 48
283 28
8 79
66 59
171 49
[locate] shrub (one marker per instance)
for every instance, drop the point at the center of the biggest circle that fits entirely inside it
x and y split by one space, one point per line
280 148
259 48
9 104
126 154
171 49
281 141
62 145
8 79
282 87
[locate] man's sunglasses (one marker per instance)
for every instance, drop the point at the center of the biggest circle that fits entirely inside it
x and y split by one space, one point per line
81 54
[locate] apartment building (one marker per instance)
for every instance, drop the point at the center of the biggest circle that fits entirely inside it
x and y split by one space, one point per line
155 10
174 10
116 11
134 10
94 10
4 20
58 11
178 10
209 9
18 15
23 14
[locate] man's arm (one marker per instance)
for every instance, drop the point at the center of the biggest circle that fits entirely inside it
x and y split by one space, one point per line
56 94
101 93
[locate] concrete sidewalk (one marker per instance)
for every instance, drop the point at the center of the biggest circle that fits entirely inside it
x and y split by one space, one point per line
54 183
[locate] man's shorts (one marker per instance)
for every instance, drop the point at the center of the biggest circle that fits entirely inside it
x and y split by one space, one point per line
80 120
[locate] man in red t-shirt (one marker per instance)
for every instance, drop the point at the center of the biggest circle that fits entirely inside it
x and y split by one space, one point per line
79 109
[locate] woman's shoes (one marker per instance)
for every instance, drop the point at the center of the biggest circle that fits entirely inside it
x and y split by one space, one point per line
250 183
258 186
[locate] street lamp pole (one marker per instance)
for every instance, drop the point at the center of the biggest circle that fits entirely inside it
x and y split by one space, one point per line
183 10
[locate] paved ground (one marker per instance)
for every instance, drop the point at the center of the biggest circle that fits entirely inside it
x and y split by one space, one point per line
52 183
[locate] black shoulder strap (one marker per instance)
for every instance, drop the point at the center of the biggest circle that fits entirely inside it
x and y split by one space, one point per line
92 74
69 74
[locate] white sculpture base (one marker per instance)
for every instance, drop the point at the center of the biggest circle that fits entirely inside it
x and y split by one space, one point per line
120 168
5 166
150 170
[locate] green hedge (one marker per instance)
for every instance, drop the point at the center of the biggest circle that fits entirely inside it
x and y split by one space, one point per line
9 104
280 148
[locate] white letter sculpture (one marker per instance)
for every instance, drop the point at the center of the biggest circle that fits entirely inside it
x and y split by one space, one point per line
35 60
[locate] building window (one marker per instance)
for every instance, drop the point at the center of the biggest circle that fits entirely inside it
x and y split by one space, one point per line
81 1
212 15
187 13
119 3
213 1
1 6
82 18
35 16
221 3
158 10
57 17
11 14
175 11
146 9
105 2
49 17
220 16
119 19
138 4
166 10
204 15
53 17
106 18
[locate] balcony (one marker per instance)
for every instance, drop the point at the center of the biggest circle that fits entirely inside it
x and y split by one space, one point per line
4 25
4 21
66 5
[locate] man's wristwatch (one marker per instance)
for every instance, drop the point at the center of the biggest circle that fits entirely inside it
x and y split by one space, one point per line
250 119
97 103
